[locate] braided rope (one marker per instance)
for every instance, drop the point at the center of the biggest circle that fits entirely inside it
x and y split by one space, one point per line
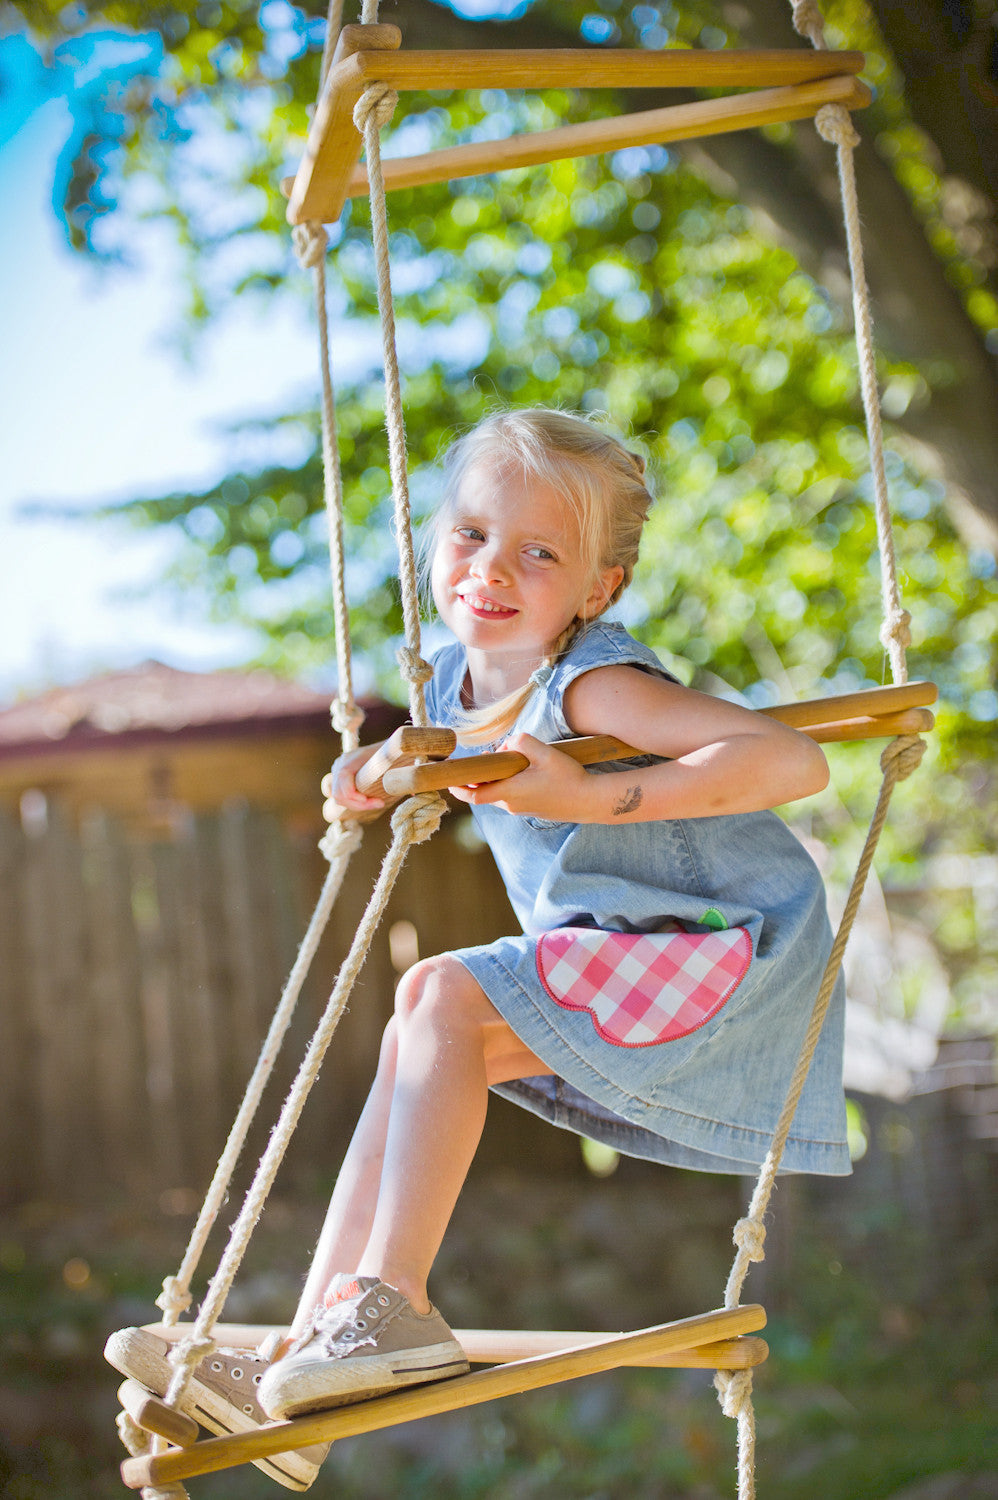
375 108
900 758
413 822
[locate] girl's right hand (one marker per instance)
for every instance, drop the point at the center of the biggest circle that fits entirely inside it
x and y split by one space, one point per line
339 786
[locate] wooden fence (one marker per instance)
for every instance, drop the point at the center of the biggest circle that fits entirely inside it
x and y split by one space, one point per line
137 980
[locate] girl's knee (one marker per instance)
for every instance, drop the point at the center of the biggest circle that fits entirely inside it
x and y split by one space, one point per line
440 989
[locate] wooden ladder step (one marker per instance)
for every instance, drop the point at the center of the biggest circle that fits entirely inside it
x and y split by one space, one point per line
510 1379
875 713
154 1415
370 54
672 122
495 1346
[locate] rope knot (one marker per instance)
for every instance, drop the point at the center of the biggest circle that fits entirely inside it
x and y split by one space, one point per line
418 818
903 755
896 629
833 123
310 241
341 839
808 21
134 1437
378 103
174 1299
346 716
412 665
734 1391
750 1235
190 1352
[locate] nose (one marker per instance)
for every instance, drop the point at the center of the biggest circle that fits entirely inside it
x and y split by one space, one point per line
489 563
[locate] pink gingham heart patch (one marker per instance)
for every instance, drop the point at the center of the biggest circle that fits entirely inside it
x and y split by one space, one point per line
643 988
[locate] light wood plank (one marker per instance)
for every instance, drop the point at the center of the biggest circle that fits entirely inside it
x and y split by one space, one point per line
603 68
864 702
334 142
591 749
502 1346
885 726
321 197
447 1395
154 1415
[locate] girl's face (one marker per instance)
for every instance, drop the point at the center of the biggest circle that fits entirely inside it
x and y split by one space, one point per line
508 574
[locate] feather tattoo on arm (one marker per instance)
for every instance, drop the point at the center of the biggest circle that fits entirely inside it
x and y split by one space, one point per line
629 802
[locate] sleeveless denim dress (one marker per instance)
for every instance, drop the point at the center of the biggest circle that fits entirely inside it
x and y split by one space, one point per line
666 970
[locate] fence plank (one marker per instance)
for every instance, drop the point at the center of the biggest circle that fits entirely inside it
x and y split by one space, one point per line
114 984
16 1104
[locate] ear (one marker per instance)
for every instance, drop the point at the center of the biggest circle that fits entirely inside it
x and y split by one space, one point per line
602 591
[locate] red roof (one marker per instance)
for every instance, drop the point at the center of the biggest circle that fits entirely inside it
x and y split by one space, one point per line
152 700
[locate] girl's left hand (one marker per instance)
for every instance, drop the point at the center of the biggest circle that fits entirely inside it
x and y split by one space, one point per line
553 786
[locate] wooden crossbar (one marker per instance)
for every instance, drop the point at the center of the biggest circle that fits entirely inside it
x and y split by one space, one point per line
673 122
871 713
877 713
511 1379
497 1346
799 82
154 1415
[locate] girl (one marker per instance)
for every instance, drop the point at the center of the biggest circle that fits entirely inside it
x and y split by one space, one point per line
674 930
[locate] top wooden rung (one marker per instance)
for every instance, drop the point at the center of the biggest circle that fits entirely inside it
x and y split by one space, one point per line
370 54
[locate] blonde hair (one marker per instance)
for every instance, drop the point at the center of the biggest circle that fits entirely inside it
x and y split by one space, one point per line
600 479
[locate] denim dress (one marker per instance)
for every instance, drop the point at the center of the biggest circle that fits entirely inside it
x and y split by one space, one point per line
666 970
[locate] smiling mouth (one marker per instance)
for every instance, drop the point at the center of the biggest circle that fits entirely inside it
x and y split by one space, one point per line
486 608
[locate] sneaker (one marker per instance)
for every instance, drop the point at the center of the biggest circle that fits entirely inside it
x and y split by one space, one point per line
371 1340
222 1396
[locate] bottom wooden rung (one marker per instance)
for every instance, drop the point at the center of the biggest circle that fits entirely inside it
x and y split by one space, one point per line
609 1353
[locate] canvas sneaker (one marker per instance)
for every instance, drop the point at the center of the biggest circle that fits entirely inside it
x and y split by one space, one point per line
223 1396
371 1340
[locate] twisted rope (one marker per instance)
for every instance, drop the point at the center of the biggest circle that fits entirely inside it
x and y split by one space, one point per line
374 108
413 822
834 124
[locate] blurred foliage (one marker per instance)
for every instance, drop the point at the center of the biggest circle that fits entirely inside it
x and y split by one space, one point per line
622 285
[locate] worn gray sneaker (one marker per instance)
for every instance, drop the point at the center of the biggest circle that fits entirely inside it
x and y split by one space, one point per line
223 1396
371 1340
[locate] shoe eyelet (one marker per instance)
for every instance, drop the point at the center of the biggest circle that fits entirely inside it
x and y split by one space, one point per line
383 1300
236 1373
216 1365
359 1323
257 1379
372 1312
248 1408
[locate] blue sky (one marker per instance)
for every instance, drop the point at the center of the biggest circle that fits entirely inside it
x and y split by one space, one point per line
96 404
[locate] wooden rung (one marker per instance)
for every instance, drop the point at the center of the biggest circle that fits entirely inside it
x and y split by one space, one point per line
871 713
884 726
490 1346
326 179
501 1346
407 745
594 68
154 1415
498 765
334 144
511 1379
863 703
675 122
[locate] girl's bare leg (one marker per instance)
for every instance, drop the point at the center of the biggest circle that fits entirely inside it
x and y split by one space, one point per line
350 1214
418 1134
